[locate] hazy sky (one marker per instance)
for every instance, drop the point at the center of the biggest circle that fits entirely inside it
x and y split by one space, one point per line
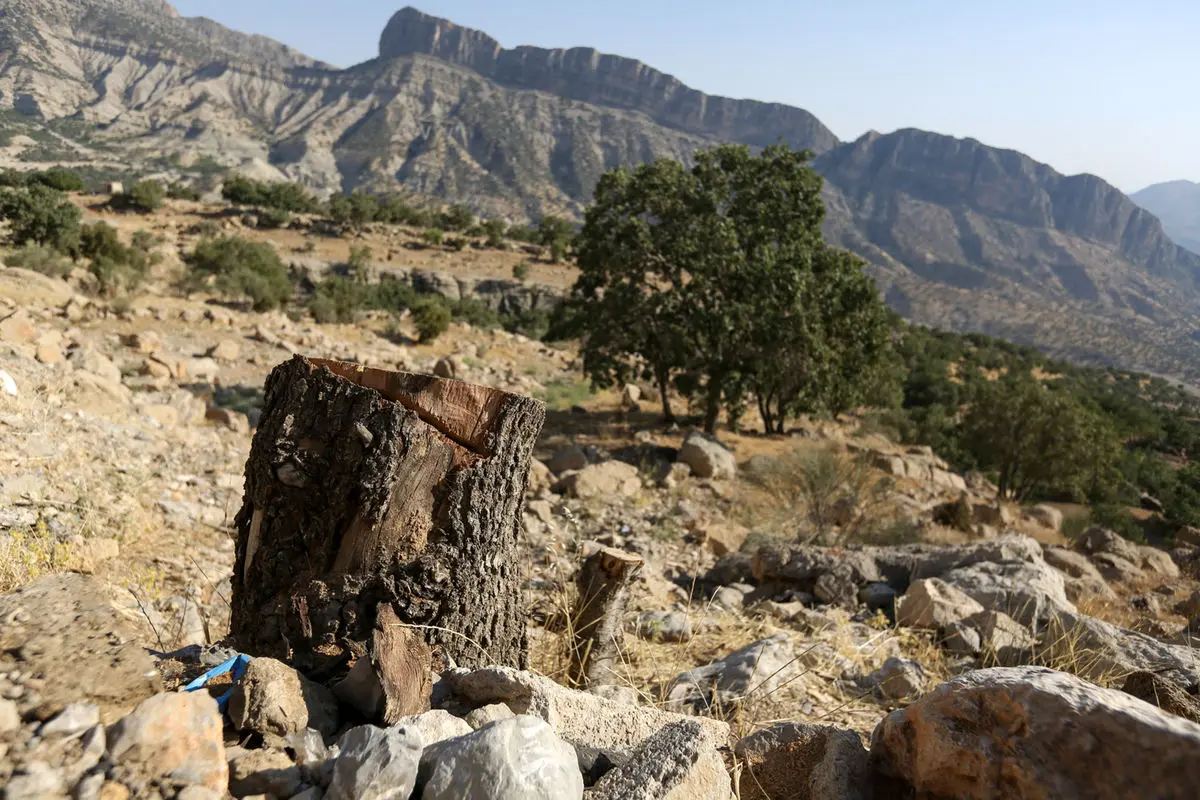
1101 86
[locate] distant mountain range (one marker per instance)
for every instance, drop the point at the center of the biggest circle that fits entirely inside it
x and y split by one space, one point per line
960 235
1177 204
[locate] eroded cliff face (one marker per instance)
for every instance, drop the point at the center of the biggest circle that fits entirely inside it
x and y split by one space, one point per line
589 76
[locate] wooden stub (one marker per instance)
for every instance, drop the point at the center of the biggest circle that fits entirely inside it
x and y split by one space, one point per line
379 507
603 582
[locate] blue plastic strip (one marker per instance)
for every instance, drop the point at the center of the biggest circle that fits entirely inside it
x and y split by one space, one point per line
236 665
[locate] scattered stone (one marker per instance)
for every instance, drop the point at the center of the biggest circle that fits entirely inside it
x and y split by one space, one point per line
1163 694
932 603
576 717
273 698
175 736
605 480
10 716
235 421
481 716
664 626
1099 650
670 476
1071 563
540 477
17 327
225 350
898 679
375 764
269 772
1002 637
720 687
438 725
796 761
680 761
7 385
446 368
1026 591
728 598
1031 732
1117 568
880 597
594 763
961 639
837 587
1101 540
74 719
572 459
725 537
707 457
1046 516
1158 561
88 359
511 759
37 780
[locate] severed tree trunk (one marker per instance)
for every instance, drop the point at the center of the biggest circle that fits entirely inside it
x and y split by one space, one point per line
381 518
603 583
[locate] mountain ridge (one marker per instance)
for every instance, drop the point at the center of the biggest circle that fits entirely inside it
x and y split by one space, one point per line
959 235
1177 204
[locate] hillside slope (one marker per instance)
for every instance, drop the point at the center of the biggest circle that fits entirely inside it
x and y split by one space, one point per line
1177 204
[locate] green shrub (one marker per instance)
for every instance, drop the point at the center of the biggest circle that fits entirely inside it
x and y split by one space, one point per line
338 300
38 258
291 197
476 313
273 218
392 295
40 215
494 230
143 197
521 271
456 218
432 317
117 268
183 191
242 269
64 180
433 237
456 243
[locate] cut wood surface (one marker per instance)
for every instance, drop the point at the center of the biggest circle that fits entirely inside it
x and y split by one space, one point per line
374 495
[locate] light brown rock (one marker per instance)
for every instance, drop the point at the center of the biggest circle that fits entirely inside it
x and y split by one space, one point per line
176 736
606 479
679 762
225 350
723 538
797 761
1030 732
273 698
932 603
17 327
235 421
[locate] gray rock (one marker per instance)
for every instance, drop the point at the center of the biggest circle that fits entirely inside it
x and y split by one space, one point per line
928 561
803 762
1117 568
663 626
595 763
880 597
579 718
707 457
1099 650
510 759
264 772
1158 562
1082 588
961 639
625 695
36 780
759 667
1031 732
490 713
273 698
1003 638
572 459
1097 540
934 604
1026 591
376 764
75 718
898 679
837 587
680 761
1071 563
728 598
436 726
608 479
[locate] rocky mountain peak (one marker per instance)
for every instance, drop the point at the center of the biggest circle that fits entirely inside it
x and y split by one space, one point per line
411 31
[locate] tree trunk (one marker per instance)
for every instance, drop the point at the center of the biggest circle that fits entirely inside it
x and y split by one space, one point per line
381 500
603 583
712 409
664 383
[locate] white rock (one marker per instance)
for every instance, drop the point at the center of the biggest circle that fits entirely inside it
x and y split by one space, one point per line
932 603
435 726
759 667
706 457
376 764
7 385
511 759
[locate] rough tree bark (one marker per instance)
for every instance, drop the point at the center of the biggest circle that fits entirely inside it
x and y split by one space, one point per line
381 500
603 583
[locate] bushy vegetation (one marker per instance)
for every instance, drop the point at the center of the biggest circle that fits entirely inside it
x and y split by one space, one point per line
432 317
37 214
39 258
288 197
716 280
143 197
118 268
242 270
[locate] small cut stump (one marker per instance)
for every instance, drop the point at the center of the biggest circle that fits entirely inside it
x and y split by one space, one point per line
380 523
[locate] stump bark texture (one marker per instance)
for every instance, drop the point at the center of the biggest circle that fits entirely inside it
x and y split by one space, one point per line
381 500
603 581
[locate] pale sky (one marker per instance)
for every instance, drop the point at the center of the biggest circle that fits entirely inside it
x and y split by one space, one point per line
1100 86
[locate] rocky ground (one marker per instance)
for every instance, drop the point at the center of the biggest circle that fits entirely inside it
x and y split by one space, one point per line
749 663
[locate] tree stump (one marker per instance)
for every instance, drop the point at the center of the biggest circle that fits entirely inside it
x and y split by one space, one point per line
603 583
381 500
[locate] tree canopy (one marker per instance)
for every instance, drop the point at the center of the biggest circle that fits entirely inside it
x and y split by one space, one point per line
717 277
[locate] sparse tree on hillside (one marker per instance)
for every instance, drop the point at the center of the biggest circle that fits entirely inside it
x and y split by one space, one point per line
555 233
721 271
40 215
241 269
